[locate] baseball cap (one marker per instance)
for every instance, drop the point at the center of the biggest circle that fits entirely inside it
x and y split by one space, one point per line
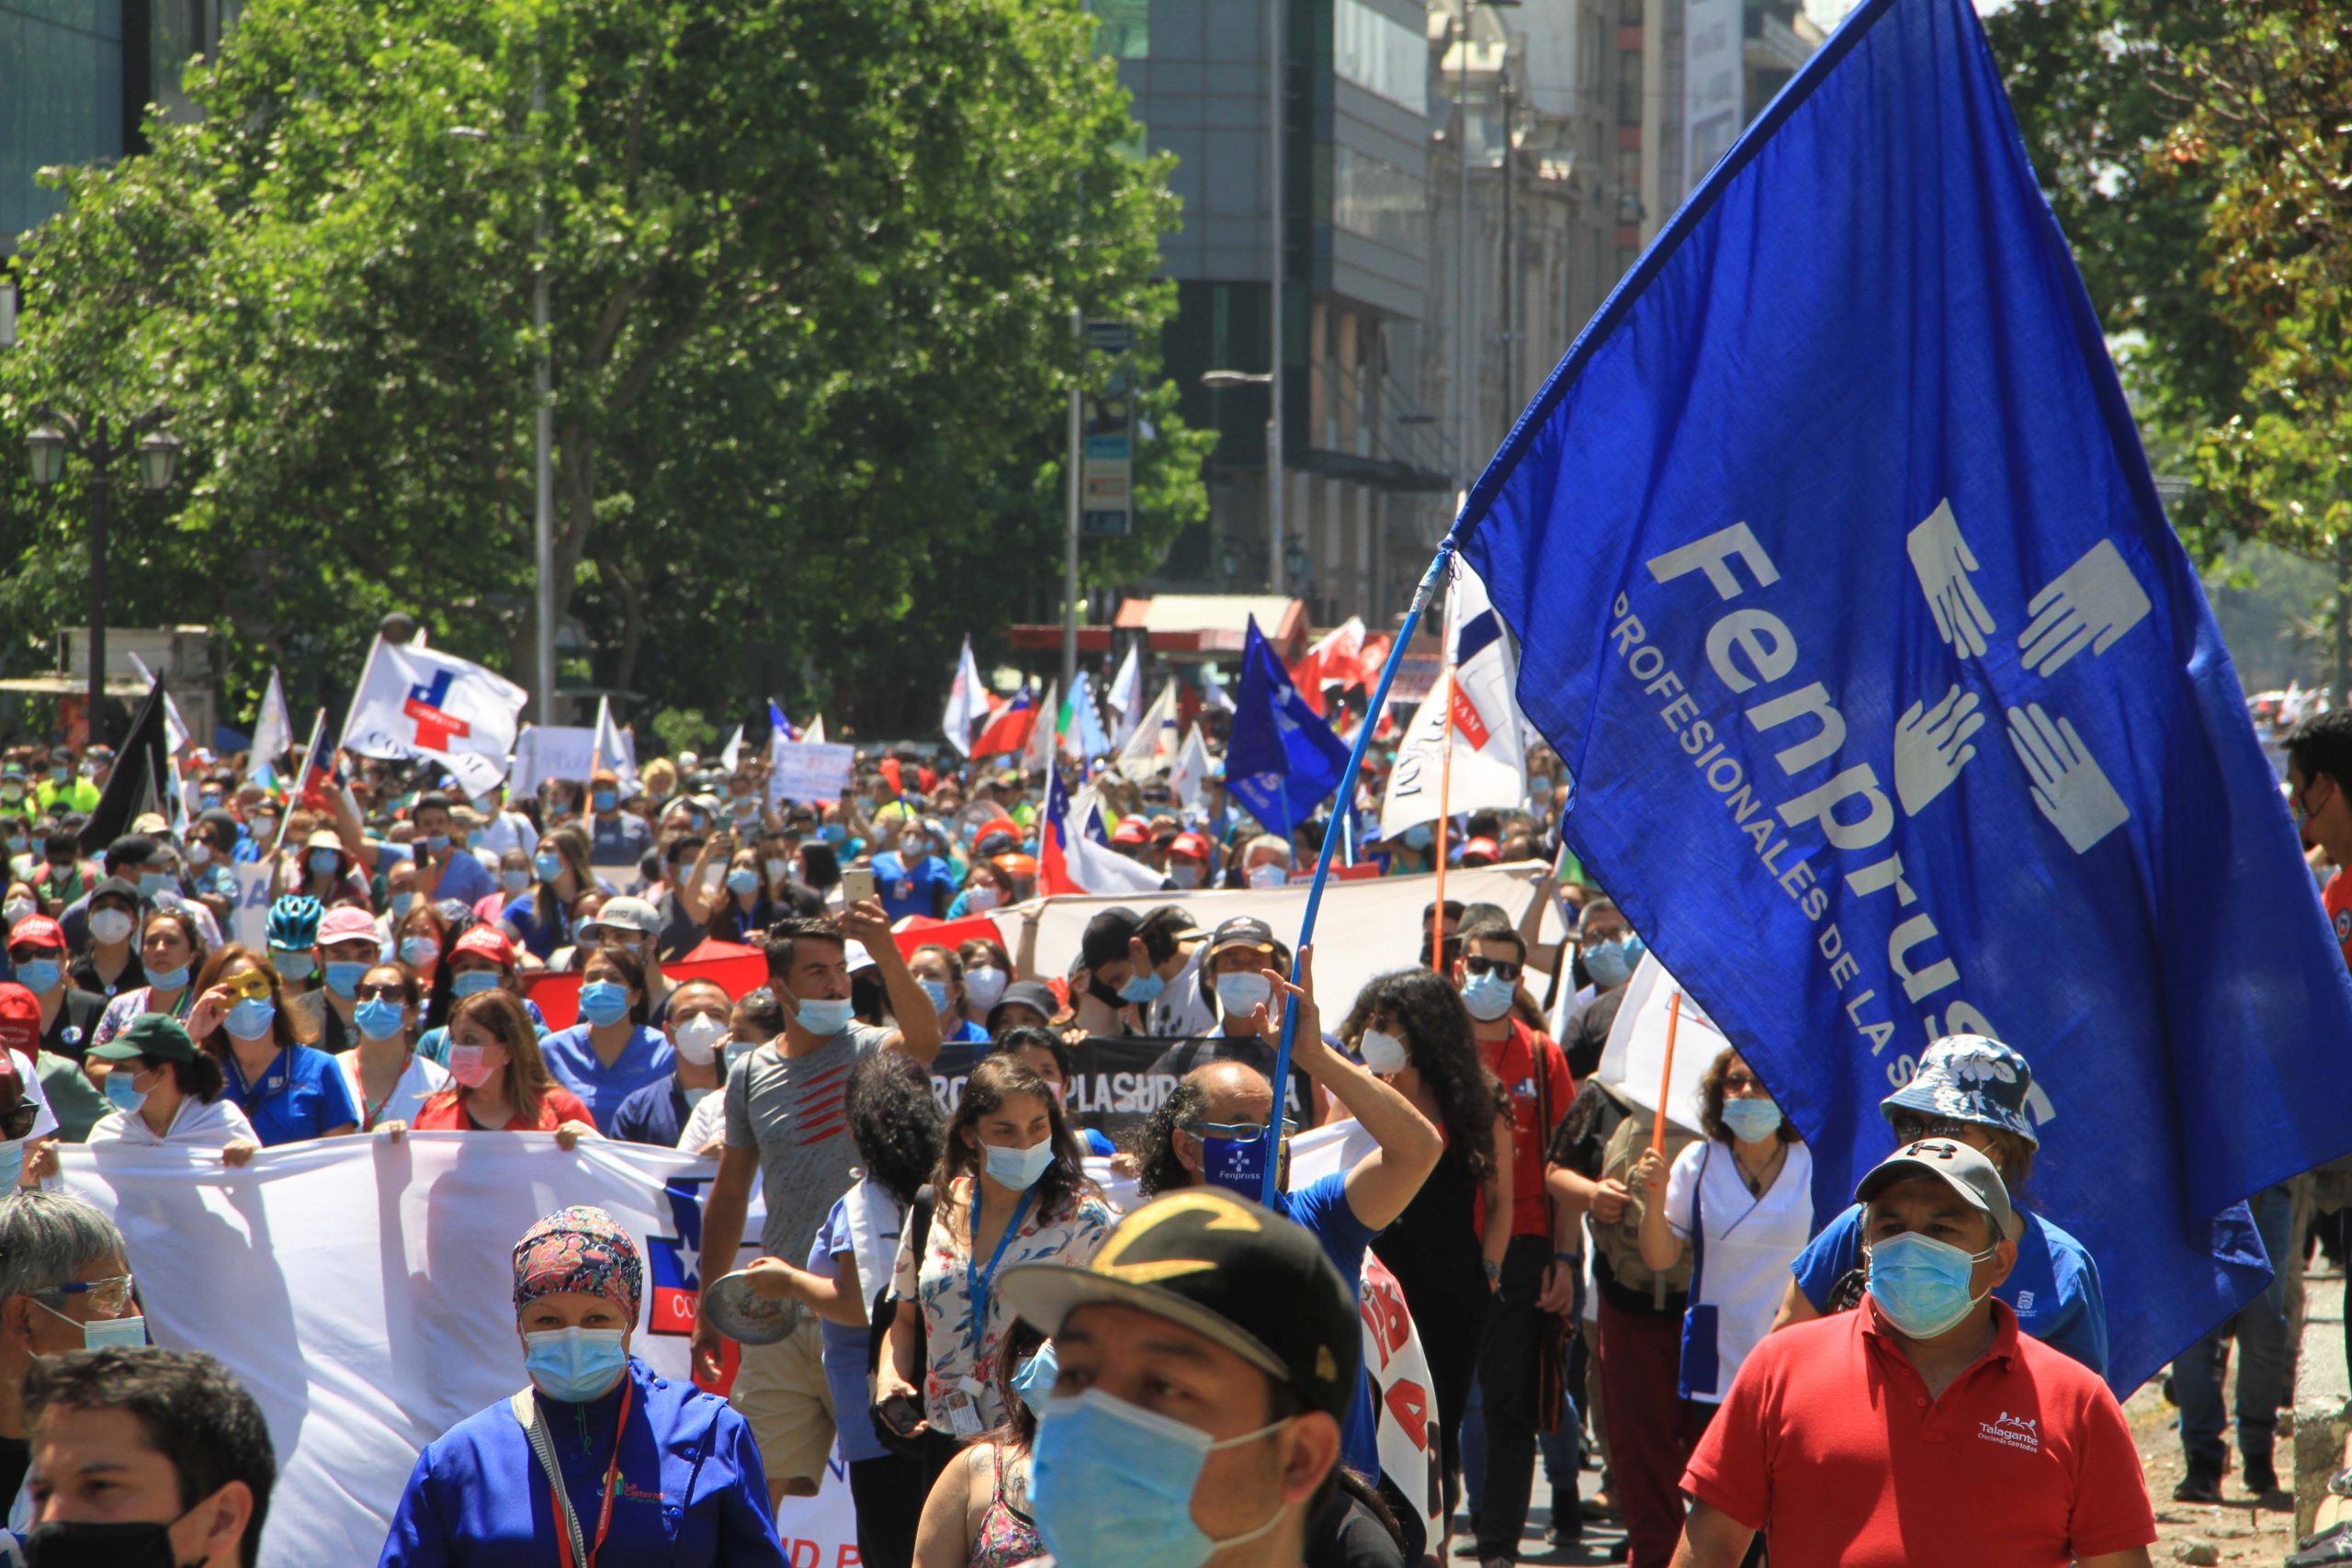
1242 930
1131 830
1033 994
488 941
1969 1077
1962 1169
121 887
19 1019
37 930
1232 1273
1192 846
627 914
157 1036
1106 938
346 923
1480 852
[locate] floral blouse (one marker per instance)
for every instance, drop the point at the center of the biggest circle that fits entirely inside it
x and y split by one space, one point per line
942 1286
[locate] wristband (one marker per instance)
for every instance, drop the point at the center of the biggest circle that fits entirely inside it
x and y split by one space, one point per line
1568 1257
1494 1270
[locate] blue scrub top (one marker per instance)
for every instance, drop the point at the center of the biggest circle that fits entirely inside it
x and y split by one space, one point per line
845 1348
692 1492
909 889
1322 1207
299 1095
647 1059
2054 1288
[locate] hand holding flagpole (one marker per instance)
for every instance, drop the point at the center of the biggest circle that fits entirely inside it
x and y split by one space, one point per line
1666 1074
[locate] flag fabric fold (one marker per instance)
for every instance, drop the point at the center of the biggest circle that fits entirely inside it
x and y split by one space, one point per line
1283 761
1894 707
417 702
967 703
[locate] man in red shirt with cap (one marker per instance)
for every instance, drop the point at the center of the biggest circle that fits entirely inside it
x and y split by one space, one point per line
1921 1428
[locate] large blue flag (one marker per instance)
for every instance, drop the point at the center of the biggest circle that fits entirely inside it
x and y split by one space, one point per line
1283 760
1893 705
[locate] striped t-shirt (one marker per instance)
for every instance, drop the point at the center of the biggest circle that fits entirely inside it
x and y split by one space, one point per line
795 1111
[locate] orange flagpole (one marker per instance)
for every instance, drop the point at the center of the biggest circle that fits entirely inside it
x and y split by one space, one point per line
1666 1078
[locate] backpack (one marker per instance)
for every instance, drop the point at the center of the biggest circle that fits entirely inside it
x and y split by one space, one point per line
1621 1243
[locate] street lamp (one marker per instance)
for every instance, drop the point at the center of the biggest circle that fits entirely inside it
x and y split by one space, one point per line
48 444
1223 380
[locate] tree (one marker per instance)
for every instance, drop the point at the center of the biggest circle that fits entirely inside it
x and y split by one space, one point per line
811 269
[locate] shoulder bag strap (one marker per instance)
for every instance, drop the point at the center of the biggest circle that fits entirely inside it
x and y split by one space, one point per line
527 1411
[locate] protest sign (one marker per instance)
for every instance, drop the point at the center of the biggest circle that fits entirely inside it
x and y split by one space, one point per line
807 770
545 751
249 924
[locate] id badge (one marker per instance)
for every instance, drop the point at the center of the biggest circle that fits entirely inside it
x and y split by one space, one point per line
962 1415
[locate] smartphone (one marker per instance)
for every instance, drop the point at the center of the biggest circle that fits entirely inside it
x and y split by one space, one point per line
857 884
901 1414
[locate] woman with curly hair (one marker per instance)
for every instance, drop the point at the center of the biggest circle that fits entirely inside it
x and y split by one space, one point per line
1740 1200
1009 1188
1412 1030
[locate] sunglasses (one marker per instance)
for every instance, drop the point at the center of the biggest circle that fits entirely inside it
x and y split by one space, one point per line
1502 968
1740 1083
387 991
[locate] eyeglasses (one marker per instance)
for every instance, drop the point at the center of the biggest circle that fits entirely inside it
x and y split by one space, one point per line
1740 1083
1240 1132
1502 968
390 990
110 1295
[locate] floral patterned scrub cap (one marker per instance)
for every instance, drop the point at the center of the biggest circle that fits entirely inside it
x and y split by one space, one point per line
579 1249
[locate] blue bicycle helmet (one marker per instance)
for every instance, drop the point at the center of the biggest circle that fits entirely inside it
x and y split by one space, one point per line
294 923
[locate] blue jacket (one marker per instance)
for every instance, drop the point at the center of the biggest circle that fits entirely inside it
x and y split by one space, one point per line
691 1492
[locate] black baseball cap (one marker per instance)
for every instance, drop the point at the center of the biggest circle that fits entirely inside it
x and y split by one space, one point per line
1106 938
1029 993
1237 1274
1242 930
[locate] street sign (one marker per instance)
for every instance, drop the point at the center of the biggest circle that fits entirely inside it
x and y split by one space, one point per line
1106 466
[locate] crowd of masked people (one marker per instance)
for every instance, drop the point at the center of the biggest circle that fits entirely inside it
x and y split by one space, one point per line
1008 1366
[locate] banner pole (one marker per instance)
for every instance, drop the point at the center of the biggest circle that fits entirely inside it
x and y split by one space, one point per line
1665 1074
1421 595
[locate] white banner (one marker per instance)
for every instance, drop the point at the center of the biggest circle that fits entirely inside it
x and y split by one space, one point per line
545 751
249 922
807 770
362 1290
1635 1059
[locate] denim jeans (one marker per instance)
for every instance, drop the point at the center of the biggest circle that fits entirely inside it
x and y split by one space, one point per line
2260 1327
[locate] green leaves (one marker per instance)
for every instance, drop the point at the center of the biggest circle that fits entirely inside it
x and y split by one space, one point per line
809 269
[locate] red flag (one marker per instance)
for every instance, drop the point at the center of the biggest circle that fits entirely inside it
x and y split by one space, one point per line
1008 728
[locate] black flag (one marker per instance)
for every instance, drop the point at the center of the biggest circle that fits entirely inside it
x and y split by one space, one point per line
142 779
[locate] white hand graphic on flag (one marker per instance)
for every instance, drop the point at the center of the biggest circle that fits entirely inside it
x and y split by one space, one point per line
1943 561
2068 787
2090 605
1930 747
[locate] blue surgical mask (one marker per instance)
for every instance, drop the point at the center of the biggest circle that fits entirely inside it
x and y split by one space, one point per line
39 974
549 866
152 883
605 799
1417 836
743 881
294 965
1608 963
825 1016
251 1019
1237 996
401 904
937 991
1752 1120
324 862
575 1365
1020 1168
168 979
1143 985
1035 1382
1111 1485
832 833
514 879
120 1093
1488 995
106 1332
1922 1283
603 1002
436 842
471 981
419 952
343 975
12 1164
378 1017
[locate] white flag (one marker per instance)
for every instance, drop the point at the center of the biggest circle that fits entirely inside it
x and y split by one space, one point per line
614 749
1190 772
1489 760
1125 696
1151 744
1634 1058
815 734
967 703
415 702
731 753
1039 755
273 730
1082 736
1094 864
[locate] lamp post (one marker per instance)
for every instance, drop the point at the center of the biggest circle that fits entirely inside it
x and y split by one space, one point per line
1219 380
59 436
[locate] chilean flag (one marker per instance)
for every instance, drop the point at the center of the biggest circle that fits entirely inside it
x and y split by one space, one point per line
1074 855
1008 727
321 776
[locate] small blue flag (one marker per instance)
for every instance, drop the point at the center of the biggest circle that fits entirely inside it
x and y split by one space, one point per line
1894 707
1283 761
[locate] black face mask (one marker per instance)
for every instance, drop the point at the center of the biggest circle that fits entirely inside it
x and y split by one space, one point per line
87 1543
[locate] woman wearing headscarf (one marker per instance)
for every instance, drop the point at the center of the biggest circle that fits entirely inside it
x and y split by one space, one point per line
598 1458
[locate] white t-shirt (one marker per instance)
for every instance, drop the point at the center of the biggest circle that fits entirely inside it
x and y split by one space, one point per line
1179 1011
1750 1242
506 831
420 1080
213 1126
705 1124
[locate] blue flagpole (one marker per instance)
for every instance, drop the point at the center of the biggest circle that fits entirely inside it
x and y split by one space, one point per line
1343 806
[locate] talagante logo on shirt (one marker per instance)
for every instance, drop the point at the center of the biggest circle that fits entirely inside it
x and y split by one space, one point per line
2012 1431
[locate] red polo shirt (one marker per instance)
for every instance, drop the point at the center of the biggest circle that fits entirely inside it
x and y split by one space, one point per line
1830 1444
2337 897
1516 1060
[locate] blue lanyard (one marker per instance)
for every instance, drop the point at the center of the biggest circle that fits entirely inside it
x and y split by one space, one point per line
977 1284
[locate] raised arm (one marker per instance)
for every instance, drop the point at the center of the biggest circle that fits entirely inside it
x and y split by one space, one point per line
1409 1146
